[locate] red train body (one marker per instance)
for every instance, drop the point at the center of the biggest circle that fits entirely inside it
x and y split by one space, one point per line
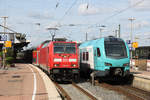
59 59
34 56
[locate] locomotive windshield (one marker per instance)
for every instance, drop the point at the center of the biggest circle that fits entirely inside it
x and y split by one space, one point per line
68 48
115 49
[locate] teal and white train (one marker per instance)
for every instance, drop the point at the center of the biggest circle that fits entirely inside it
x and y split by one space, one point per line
108 56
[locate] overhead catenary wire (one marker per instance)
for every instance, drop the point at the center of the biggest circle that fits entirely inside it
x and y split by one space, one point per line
95 25
67 11
122 10
58 2
106 19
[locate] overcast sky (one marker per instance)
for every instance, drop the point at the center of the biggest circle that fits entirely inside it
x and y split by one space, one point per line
75 18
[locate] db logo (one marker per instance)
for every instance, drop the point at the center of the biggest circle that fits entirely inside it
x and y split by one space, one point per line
65 60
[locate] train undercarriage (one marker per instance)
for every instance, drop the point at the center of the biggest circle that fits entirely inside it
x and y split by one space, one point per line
65 74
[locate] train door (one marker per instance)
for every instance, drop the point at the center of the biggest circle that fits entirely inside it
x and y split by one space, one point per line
88 58
91 57
97 57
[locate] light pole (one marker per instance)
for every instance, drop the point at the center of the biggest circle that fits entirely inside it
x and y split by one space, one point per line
131 38
131 19
86 36
100 35
116 33
101 29
38 24
119 29
136 38
4 17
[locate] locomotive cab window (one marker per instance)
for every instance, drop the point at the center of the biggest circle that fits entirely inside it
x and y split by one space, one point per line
68 48
58 49
115 49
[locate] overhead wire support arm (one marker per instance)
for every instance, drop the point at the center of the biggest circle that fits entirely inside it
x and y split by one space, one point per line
8 28
52 33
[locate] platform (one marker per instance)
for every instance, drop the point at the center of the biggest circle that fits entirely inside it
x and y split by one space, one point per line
141 79
26 82
140 73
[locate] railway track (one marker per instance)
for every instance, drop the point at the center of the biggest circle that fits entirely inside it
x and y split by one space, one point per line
130 92
63 93
85 92
74 92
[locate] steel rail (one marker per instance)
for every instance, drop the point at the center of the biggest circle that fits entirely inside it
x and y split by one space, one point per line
85 92
140 93
62 92
120 90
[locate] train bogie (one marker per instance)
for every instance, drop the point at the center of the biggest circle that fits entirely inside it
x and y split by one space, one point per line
64 74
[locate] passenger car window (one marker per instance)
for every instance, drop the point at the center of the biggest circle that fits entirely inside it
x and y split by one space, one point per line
83 56
87 56
98 52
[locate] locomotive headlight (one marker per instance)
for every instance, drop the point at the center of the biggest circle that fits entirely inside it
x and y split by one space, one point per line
108 64
57 60
72 60
126 64
56 65
74 65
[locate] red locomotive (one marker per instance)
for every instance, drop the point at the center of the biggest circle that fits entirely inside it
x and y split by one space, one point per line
59 59
35 55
